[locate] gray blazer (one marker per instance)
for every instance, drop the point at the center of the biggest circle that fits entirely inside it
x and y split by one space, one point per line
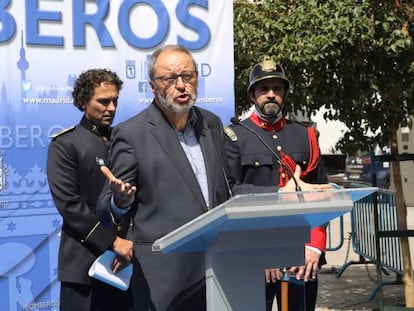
145 151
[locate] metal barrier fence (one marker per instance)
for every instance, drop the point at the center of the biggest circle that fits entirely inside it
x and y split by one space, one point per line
333 244
365 233
375 232
362 218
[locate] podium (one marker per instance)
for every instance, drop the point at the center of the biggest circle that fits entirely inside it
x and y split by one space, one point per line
252 232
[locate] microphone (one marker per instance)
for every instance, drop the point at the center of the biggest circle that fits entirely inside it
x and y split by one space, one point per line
236 121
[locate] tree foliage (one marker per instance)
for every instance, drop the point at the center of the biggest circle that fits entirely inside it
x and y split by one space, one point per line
353 57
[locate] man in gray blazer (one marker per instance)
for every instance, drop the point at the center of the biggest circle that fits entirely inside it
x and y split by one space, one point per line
169 165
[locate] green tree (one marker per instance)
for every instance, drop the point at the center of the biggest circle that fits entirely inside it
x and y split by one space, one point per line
353 57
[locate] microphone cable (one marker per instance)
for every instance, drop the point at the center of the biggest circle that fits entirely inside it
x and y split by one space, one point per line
236 121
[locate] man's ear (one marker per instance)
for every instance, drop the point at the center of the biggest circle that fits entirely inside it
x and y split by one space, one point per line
251 96
153 86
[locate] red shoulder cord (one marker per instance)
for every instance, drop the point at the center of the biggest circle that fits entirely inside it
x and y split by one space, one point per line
313 159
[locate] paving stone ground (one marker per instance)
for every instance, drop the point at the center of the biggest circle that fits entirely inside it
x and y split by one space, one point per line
352 291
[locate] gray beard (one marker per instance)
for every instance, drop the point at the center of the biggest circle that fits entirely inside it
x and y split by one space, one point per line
171 106
272 116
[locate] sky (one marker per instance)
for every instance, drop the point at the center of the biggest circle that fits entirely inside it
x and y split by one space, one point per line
330 132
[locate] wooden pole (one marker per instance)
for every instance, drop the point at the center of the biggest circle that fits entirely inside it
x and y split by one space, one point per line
284 286
402 225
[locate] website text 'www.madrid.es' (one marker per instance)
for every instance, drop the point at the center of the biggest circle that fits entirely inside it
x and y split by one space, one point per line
47 100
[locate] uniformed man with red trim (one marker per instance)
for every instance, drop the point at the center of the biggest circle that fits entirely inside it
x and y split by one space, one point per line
255 168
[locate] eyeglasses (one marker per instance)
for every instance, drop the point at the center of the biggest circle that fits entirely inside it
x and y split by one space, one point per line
186 76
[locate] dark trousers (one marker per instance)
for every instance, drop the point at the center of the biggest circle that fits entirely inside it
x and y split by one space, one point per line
96 297
301 296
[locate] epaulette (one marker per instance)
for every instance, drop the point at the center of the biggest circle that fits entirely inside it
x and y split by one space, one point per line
230 133
66 130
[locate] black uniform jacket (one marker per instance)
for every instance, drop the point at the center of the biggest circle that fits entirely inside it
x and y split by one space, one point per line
146 152
75 183
253 167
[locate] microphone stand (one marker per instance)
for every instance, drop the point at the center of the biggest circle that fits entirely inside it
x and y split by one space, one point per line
236 121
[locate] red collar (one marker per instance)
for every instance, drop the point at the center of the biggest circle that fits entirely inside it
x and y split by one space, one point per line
266 124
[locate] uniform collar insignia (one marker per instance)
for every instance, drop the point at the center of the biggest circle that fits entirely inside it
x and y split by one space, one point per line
100 131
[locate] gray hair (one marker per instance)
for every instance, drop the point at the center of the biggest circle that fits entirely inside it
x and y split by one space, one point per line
168 47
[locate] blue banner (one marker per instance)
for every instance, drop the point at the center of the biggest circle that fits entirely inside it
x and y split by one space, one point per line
44 46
